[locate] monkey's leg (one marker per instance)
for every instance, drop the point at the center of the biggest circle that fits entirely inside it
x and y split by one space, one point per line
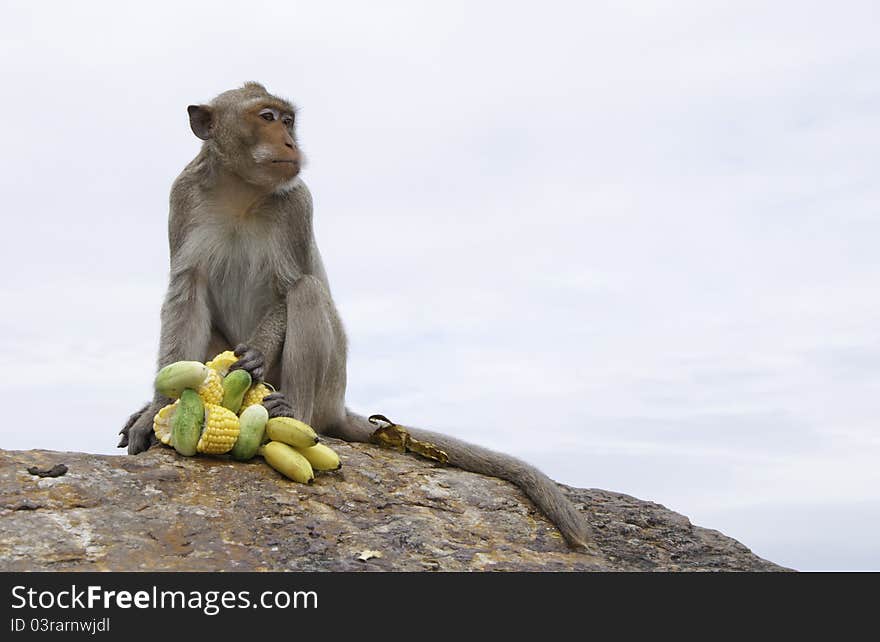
313 357
186 332
542 490
217 344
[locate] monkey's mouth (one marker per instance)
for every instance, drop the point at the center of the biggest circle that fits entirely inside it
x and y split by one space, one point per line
292 162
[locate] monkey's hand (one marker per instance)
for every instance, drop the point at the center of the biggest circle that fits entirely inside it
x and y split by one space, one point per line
251 360
137 433
278 406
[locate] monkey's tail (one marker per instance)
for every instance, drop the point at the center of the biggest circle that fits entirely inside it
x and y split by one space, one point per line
540 489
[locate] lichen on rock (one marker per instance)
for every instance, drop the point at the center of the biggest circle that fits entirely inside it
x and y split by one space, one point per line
161 512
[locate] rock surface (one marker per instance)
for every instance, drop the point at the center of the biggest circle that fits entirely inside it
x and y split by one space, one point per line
159 511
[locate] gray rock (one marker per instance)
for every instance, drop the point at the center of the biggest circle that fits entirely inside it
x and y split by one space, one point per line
162 512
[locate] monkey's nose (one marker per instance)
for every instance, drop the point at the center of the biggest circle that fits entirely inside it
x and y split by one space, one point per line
289 145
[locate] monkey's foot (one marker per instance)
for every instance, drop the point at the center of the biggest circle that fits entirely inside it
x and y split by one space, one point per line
140 435
278 406
123 441
251 360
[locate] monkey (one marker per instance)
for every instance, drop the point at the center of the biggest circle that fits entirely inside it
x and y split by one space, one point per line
246 274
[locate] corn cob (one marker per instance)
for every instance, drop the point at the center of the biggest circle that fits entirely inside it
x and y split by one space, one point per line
220 431
222 362
162 423
211 390
254 395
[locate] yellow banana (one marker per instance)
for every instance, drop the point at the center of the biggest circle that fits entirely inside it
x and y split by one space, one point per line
321 457
288 462
291 431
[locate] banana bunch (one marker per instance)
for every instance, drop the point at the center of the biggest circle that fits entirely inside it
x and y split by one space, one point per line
217 411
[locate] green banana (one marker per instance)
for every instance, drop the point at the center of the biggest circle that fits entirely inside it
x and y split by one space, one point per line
253 425
186 424
176 377
235 385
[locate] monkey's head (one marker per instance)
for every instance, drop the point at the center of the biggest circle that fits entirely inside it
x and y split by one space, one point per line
252 133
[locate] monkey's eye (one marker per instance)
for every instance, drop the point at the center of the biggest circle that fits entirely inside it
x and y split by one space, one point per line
287 120
268 115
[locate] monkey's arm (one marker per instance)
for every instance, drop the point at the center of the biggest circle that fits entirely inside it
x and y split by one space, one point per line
186 331
186 319
262 349
265 348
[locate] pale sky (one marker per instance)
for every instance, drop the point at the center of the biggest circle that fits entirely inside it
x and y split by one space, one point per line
633 243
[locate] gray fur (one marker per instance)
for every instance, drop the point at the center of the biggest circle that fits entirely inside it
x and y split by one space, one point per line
245 270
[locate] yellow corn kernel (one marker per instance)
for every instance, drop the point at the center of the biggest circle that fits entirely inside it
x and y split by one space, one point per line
162 422
222 362
220 431
211 391
254 396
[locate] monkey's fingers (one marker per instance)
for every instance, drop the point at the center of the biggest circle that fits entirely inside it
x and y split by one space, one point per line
254 368
251 360
278 406
123 441
242 350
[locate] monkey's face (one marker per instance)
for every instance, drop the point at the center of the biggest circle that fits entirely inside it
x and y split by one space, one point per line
273 157
254 138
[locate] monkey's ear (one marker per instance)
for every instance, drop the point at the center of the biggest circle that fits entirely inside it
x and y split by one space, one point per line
200 120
